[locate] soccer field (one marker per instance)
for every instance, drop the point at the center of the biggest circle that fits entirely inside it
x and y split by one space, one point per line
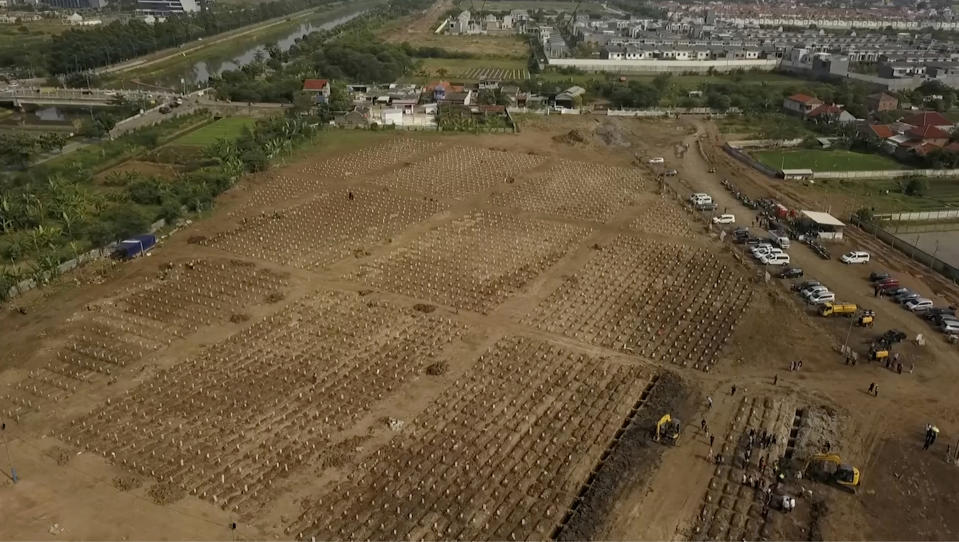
826 160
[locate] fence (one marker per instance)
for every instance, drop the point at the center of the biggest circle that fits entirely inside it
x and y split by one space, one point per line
914 252
753 143
917 216
749 161
886 174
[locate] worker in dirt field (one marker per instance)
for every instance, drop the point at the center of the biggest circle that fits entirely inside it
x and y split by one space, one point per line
932 432
703 424
709 402
732 391
872 387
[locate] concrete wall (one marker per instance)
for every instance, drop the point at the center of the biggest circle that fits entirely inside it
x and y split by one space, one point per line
886 174
662 66
920 215
921 256
753 143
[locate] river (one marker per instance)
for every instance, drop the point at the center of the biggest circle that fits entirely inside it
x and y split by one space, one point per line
200 72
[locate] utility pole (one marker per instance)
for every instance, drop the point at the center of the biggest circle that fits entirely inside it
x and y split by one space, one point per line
6 445
845 344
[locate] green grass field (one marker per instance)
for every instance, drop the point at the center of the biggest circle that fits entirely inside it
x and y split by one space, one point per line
225 128
826 160
844 196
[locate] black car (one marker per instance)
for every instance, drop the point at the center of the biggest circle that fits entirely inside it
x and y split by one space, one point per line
876 276
936 312
791 273
892 336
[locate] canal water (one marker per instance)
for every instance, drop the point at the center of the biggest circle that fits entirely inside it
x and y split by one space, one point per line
56 118
197 74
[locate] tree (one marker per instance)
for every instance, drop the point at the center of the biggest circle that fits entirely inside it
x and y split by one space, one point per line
442 72
303 102
916 186
863 214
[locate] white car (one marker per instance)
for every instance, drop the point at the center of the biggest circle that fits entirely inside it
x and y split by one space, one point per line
814 291
822 297
775 259
856 256
657 160
919 304
724 219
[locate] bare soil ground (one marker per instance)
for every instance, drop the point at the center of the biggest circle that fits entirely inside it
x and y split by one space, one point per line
464 337
418 30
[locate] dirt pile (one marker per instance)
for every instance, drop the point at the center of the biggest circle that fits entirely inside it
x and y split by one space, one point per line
437 369
571 137
166 493
424 307
611 135
61 455
819 431
127 482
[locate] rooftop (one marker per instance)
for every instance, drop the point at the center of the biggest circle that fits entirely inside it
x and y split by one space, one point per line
824 219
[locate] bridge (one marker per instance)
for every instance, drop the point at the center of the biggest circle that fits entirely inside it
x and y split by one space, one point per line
19 96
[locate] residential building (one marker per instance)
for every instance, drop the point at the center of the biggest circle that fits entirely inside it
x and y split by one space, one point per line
320 88
929 118
800 104
831 113
167 7
881 101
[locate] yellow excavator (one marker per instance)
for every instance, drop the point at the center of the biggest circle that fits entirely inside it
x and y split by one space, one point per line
830 468
667 430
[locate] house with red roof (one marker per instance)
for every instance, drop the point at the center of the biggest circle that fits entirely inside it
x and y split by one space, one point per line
929 134
929 118
830 113
320 88
801 104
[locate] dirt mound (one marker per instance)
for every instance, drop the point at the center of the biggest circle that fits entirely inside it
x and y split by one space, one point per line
127 482
611 135
631 461
275 297
237 318
437 369
166 493
61 455
819 431
571 137
195 239
424 307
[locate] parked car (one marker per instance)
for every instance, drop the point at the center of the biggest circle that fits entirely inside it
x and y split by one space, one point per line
775 259
905 295
876 276
724 219
919 304
939 311
950 327
944 319
894 291
822 297
813 291
657 160
856 256
892 336
906 298
790 273
806 284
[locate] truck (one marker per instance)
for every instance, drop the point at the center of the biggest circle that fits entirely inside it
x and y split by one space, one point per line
135 246
838 309
779 238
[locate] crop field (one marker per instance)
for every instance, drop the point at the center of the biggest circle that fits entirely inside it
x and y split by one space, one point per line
474 69
827 160
228 128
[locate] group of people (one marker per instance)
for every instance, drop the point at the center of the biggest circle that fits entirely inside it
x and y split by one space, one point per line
795 365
